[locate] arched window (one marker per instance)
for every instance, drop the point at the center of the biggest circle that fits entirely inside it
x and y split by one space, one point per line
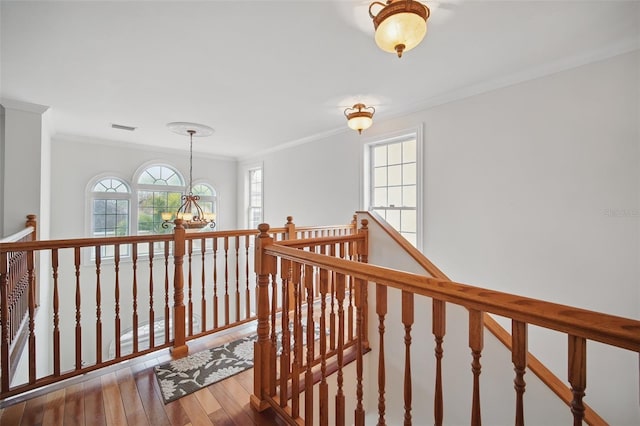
160 190
110 208
110 211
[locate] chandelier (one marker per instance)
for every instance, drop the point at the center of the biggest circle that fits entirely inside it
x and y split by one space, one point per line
400 25
192 215
359 117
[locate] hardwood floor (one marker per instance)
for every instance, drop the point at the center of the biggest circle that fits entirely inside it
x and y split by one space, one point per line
129 395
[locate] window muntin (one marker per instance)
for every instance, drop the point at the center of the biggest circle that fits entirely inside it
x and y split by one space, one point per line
393 192
254 214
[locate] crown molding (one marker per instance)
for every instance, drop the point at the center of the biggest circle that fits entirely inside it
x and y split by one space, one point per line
139 146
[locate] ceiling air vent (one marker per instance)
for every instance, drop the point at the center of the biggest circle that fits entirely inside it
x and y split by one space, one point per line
122 127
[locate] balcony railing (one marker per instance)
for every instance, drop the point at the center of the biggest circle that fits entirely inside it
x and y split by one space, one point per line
106 300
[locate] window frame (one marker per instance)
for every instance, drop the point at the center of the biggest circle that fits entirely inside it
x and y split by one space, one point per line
249 191
368 171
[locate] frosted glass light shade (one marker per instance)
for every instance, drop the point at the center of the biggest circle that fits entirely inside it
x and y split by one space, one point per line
402 29
400 24
360 117
360 123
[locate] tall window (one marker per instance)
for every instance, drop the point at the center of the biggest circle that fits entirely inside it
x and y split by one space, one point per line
110 209
159 190
393 190
254 213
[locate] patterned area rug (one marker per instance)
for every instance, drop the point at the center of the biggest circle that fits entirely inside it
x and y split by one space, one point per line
189 374
186 375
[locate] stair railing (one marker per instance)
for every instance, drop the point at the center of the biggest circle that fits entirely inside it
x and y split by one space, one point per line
271 390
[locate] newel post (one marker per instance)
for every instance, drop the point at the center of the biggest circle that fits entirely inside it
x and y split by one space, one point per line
363 257
265 266
180 347
31 221
290 229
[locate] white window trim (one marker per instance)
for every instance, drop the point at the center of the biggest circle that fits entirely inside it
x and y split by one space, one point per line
247 191
365 188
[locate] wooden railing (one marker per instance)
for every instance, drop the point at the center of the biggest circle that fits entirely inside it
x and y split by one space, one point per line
272 390
113 299
17 288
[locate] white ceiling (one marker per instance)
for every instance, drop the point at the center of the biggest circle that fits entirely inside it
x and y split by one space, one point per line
267 73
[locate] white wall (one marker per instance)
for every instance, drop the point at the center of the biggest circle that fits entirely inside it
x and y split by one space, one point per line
531 189
76 162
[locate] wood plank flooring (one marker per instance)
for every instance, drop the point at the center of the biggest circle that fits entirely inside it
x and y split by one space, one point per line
130 395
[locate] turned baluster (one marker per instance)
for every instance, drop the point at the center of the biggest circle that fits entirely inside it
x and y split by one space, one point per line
116 264
98 309
78 311
476 343
308 388
324 386
190 287
407 321
439 329
166 292
577 376
215 283
56 313
340 399
359 288
134 296
203 280
226 280
237 295
246 273
381 310
151 311
519 359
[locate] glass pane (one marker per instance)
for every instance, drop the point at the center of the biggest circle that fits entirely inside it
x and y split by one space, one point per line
122 207
380 197
409 174
382 213
409 151
411 237
380 176
379 155
409 196
395 153
99 206
408 221
110 223
395 196
393 218
201 189
98 223
395 175
111 206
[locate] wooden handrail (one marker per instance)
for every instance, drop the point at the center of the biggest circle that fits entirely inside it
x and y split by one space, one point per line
609 329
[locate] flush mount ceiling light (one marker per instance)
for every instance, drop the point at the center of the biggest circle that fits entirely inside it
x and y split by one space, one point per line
400 25
192 215
359 117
